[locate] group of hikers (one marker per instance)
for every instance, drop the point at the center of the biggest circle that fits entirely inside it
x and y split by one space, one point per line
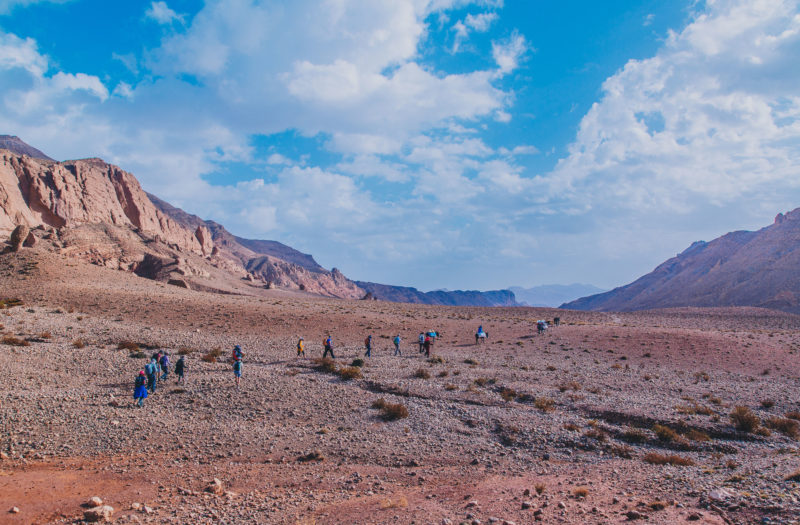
147 380
426 340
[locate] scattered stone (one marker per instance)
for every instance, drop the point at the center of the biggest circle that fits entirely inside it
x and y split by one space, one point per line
695 516
633 515
14 510
526 505
721 494
94 501
215 487
101 513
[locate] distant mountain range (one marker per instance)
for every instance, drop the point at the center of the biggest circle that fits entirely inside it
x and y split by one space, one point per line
553 295
741 268
95 211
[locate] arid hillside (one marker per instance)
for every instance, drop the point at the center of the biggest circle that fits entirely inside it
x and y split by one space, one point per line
738 269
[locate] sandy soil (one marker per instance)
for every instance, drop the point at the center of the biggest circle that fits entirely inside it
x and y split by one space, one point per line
553 428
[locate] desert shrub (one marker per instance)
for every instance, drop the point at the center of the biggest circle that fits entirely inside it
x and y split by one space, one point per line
10 302
422 373
665 433
393 411
325 365
550 368
793 415
508 394
399 503
634 435
450 387
349 372
127 345
212 355
655 458
572 427
137 355
78 343
657 505
622 451
763 431
481 381
784 425
45 335
580 492
697 435
314 455
379 403
596 433
545 404
540 488
701 376
694 408
14 341
185 350
766 404
357 362
443 373
470 361
794 476
456 372
572 385
436 360
178 391
744 419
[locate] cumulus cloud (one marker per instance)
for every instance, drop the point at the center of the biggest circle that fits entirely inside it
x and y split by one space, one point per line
161 13
507 54
479 23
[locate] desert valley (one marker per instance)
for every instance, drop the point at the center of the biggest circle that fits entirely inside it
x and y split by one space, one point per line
671 415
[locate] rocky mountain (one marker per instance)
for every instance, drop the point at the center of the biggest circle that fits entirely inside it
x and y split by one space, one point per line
97 212
16 145
741 268
404 294
552 295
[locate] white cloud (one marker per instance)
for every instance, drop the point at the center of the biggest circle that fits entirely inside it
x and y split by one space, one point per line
161 13
6 6
479 23
507 54
277 158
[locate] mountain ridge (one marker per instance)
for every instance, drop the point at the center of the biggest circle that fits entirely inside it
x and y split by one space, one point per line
739 268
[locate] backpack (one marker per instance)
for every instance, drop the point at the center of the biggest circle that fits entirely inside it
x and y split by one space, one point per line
237 354
367 341
299 345
148 368
397 340
164 360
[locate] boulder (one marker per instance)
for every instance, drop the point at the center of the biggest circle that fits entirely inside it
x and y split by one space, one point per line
93 502
30 240
180 283
101 513
18 236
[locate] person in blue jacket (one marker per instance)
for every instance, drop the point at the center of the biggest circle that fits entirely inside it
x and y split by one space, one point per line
140 389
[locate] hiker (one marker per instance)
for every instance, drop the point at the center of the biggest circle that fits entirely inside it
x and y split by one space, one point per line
151 370
180 366
301 348
237 353
368 345
328 344
139 390
397 345
421 342
426 344
164 362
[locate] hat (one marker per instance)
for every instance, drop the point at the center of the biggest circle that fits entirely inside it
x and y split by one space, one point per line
141 372
301 339
237 347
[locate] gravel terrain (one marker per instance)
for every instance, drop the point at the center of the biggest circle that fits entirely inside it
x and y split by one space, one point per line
560 427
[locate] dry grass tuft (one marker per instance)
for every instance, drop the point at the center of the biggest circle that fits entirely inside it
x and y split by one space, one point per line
794 476
185 350
766 404
655 458
580 492
508 394
572 385
78 343
450 387
436 360
357 362
379 403
127 345
784 425
744 419
665 433
45 335
540 488
399 503
349 372
14 341
572 427
325 365
314 455
545 404
394 411
634 435
793 415
657 505
481 381
422 373
10 302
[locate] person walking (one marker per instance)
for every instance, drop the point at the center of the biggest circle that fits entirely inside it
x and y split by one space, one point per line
421 342
368 345
328 344
397 345
237 355
151 370
164 362
139 389
301 348
427 345
180 367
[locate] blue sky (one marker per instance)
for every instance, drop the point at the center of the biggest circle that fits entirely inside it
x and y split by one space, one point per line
432 143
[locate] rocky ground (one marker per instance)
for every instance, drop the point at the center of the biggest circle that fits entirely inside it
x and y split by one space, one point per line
607 418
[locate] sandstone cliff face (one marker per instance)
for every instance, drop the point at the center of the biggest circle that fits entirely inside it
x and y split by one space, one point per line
38 192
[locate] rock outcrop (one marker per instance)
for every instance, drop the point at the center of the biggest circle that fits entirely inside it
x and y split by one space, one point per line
741 268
